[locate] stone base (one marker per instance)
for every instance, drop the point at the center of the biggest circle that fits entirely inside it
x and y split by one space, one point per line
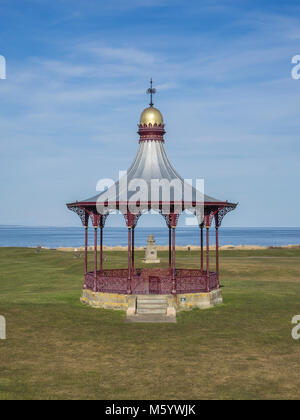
108 300
189 301
181 302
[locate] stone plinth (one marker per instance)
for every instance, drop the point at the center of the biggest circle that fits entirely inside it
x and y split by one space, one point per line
180 302
151 252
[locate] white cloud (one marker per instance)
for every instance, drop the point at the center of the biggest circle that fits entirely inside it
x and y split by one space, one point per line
126 55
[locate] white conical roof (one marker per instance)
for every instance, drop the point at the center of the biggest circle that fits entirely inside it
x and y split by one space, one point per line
150 165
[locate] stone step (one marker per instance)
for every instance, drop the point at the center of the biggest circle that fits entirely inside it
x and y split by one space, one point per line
152 305
152 301
151 318
151 311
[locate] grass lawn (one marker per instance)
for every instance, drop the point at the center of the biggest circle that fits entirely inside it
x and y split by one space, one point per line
58 348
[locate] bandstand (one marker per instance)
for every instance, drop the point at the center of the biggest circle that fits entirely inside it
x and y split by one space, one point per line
133 196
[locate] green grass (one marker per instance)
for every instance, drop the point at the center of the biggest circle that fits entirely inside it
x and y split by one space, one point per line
58 348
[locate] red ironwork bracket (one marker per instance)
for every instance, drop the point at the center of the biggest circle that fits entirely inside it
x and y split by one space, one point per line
131 219
208 218
84 217
98 220
221 213
171 219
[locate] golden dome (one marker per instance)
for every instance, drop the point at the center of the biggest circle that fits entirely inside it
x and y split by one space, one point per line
151 115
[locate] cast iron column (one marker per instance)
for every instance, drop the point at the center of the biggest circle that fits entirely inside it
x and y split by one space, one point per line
101 250
86 250
173 270
207 258
95 260
217 254
129 262
132 255
202 265
170 250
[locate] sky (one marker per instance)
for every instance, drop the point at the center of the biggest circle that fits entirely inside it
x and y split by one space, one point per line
77 72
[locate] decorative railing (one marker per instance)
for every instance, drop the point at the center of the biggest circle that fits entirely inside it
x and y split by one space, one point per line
151 281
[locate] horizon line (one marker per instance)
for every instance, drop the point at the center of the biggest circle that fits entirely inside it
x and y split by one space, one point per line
155 227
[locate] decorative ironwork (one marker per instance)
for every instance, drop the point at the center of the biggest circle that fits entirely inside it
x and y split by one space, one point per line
171 219
192 284
219 216
188 272
89 281
122 272
212 214
208 218
102 220
139 285
114 285
95 219
166 285
213 281
115 281
151 91
98 220
151 133
82 213
131 219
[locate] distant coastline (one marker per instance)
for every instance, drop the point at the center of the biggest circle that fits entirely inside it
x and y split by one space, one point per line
73 237
182 248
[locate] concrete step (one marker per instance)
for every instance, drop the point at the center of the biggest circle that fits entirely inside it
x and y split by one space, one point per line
151 301
151 311
152 305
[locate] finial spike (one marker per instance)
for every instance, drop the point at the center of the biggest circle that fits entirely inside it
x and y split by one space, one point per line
151 91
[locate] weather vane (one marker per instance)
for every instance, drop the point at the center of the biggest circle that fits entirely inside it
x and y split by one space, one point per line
151 91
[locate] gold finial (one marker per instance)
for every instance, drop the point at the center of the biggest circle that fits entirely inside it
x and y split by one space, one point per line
151 115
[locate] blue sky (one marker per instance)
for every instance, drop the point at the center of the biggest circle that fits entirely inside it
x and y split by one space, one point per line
77 72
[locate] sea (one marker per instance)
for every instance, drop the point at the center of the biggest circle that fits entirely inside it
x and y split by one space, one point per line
54 237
